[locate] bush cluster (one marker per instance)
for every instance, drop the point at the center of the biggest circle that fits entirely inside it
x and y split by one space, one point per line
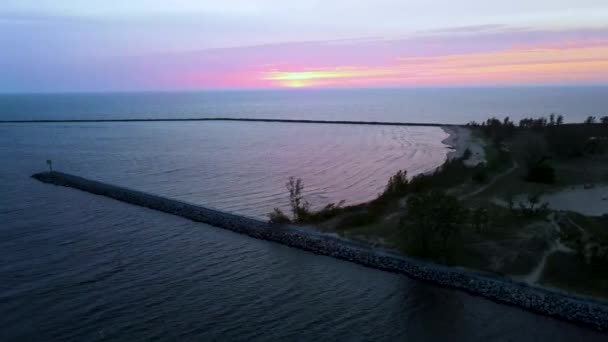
301 211
432 219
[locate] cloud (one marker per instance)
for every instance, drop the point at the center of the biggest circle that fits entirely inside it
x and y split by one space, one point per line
492 56
542 64
471 29
38 17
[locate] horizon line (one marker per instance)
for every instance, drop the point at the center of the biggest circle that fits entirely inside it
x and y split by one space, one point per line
301 89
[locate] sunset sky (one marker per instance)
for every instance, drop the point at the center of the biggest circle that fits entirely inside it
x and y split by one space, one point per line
112 45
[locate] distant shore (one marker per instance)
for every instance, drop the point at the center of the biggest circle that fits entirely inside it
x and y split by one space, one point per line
338 122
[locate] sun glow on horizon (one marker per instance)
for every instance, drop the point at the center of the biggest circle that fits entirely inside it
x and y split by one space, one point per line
299 79
571 62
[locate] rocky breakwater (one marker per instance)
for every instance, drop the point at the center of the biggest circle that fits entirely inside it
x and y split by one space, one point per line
557 304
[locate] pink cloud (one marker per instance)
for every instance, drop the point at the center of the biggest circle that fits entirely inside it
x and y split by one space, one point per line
490 55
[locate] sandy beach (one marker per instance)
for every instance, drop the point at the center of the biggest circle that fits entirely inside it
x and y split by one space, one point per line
460 139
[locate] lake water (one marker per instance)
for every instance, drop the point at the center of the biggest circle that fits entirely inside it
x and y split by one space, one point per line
74 266
456 105
240 167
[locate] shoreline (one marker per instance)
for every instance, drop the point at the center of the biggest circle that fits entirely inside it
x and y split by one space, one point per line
460 139
452 143
586 311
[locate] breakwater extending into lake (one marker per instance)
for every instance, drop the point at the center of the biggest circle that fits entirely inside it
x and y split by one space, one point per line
552 303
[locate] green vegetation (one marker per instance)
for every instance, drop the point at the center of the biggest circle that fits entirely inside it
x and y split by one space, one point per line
540 172
533 207
278 216
432 219
491 216
300 208
585 269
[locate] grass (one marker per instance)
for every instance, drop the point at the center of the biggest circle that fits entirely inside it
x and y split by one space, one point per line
566 271
596 227
571 271
495 159
384 232
571 171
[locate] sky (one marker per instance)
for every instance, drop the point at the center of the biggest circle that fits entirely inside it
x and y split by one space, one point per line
139 45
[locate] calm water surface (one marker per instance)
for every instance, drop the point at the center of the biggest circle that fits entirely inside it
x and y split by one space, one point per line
240 167
455 105
79 267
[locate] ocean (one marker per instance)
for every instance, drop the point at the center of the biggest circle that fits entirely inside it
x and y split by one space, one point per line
74 266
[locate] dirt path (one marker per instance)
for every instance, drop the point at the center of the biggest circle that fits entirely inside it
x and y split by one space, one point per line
556 246
492 182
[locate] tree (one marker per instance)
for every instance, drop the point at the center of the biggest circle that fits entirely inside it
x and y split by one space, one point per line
434 217
541 172
604 120
397 185
552 119
538 124
300 208
538 168
590 120
559 120
498 130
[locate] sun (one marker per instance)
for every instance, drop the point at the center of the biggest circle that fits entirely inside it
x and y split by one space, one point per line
296 83
303 79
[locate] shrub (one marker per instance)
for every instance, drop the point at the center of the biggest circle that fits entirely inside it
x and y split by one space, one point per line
300 208
480 176
326 213
541 173
533 207
357 220
278 216
451 173
432 218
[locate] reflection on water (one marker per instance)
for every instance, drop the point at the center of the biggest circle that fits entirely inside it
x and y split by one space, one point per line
240 167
